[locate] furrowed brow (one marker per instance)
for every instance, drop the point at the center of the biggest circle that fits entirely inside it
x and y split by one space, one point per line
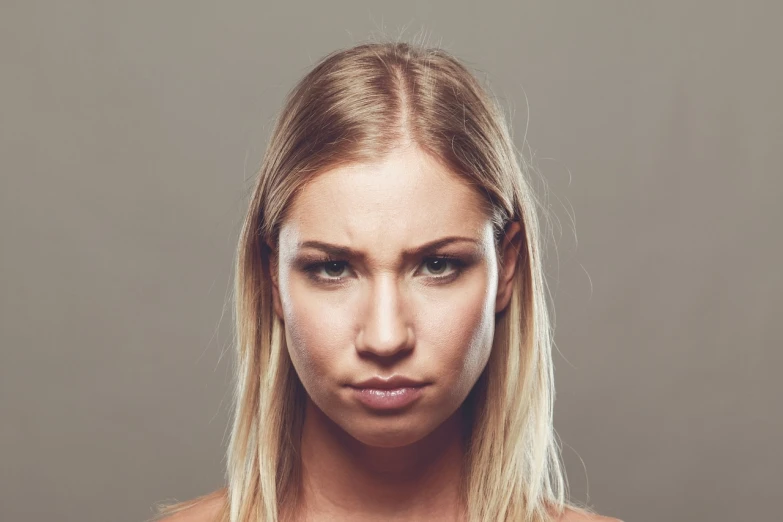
340 251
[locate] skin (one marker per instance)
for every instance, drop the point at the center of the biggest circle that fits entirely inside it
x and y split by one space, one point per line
387 314
387 317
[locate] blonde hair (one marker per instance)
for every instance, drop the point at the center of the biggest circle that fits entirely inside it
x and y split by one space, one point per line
356 105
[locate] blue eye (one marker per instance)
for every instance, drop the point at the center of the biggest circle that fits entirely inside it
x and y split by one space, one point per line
439 263
332 265
333 268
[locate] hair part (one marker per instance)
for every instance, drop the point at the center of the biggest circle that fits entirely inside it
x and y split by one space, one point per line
358 105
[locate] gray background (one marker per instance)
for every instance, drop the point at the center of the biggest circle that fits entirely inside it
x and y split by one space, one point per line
131 132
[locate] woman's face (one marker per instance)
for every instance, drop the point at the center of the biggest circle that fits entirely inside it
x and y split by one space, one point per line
384 308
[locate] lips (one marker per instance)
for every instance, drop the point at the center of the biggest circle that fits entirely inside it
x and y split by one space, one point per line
390 383
388 400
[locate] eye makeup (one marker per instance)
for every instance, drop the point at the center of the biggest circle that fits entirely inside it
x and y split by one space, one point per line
315 266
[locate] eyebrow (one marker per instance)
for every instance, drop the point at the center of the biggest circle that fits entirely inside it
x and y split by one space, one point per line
426 248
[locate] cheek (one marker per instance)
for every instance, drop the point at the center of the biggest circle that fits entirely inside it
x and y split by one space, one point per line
458 332
315 328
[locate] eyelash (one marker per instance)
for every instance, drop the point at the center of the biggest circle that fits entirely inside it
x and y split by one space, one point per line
313 268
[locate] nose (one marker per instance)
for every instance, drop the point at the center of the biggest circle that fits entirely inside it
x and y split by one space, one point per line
385 330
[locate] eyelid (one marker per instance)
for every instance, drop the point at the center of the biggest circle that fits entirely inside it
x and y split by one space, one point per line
312 267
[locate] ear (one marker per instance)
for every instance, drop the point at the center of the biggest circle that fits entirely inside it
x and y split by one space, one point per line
274 277
509 252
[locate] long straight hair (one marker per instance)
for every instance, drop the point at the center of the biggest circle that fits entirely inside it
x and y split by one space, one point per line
355 106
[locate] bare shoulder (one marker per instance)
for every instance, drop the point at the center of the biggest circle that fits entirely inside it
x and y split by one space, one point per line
571 515
204 509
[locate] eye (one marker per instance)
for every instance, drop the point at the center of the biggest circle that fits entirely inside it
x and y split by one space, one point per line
437 265
330 268
334 268
332 271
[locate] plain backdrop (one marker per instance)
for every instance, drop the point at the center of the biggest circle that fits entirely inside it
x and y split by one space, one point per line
131 134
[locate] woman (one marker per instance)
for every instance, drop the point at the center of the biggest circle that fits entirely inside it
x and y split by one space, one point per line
394 345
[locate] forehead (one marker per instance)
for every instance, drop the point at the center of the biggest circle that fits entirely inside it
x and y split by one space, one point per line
402 201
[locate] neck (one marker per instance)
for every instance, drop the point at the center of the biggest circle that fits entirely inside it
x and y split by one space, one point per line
344 479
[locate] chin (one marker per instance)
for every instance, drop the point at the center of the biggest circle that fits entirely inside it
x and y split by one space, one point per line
386 431
386 438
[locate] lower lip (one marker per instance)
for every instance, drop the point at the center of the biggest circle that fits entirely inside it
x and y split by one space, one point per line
387 399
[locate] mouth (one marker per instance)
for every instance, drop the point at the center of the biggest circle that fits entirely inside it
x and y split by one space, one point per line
389 383
381 399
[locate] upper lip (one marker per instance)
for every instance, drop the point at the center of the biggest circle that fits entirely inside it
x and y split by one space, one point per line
395 381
